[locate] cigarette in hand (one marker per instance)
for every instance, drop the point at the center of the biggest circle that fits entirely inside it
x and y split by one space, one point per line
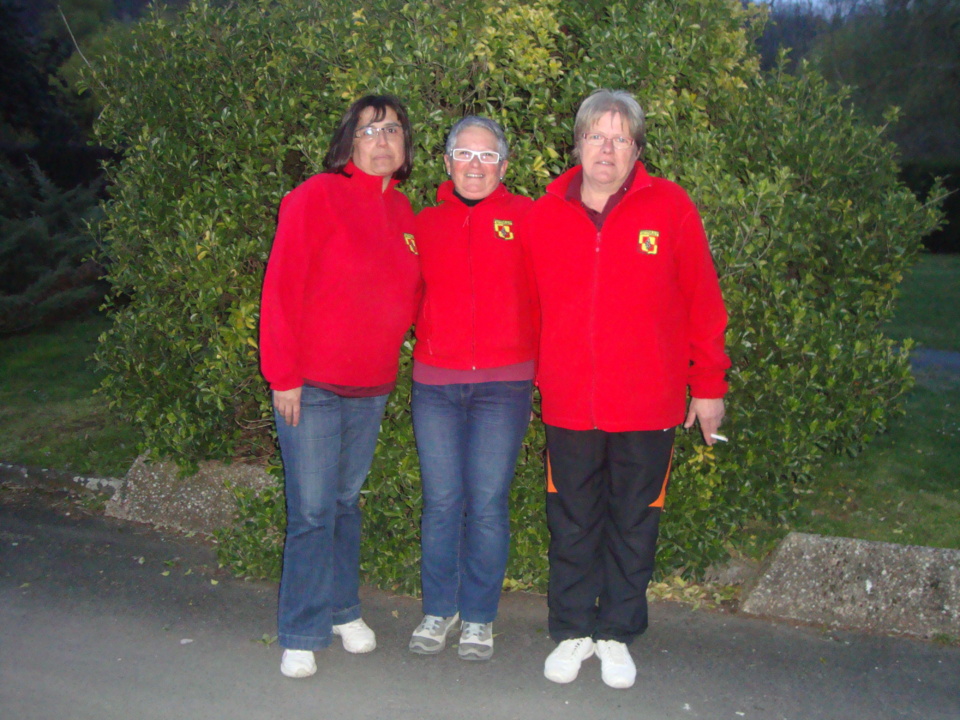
721 438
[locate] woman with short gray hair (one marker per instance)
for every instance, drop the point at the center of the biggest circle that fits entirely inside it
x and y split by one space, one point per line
618 102
632 320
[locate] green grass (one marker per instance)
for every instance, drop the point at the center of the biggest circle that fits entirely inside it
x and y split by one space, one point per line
928 309
49 416
905 487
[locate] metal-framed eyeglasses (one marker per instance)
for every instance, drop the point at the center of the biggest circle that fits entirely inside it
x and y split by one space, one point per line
487 157
393 131
620 142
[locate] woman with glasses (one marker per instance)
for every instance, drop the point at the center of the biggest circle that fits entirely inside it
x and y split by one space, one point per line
473 379
632 319
341 290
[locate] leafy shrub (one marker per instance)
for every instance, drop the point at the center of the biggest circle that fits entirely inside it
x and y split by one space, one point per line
223 110
254 546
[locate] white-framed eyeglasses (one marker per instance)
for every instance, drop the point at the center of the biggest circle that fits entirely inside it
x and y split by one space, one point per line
487 157
370 132
598 139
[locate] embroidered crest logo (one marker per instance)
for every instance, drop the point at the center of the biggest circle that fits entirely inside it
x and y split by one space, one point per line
647 241
503 229
411 243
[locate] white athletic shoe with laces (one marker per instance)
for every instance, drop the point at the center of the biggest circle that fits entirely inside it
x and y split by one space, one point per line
563 664
298 663
616 665
476 641
357 636
431 634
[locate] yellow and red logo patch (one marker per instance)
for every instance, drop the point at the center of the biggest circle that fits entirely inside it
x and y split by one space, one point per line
503 229
647 242
411 243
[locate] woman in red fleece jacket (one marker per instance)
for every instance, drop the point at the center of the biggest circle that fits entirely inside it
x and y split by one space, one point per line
473 380
340 292
631 318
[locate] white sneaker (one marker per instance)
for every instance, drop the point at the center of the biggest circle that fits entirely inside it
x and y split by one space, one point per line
298 663
476 641
563 664
357 636
431 634
617 668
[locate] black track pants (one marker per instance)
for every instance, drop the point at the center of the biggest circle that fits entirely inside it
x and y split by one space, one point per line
604 496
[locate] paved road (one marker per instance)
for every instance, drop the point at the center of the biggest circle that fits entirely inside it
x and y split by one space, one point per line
103 620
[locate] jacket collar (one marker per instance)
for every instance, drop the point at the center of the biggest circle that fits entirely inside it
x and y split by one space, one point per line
559 186
445 193
358 176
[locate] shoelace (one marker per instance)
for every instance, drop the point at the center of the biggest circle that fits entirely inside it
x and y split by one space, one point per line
616 651
430 624
574 648
471 630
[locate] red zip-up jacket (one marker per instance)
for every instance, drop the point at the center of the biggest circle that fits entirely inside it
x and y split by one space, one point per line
476 309
342 283
630 316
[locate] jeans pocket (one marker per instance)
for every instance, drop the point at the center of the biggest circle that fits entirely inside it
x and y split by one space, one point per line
315 397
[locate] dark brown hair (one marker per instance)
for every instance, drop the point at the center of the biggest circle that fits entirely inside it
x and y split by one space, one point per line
341 146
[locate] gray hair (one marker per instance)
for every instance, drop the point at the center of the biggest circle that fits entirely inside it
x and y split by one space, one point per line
602 101
481 122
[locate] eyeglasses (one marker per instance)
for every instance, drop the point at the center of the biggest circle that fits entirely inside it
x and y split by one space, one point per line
597 139
487 157
369 132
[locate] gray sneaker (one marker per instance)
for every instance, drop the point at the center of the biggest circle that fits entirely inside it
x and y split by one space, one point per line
476 641
430 637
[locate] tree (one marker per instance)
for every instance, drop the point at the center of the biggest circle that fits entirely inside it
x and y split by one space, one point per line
29 111
793 26
44 238
45 243
907 54
220 112
891 54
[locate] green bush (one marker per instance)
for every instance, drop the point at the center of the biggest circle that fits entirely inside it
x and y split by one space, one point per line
221 111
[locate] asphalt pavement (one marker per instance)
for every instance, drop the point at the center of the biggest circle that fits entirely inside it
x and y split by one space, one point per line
101 619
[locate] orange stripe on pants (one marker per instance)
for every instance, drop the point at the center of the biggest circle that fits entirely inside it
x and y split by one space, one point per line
658 503
551 488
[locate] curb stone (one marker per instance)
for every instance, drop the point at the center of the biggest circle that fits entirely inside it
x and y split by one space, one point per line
860 584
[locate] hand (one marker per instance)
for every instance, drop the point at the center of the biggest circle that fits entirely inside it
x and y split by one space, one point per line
287 403
709 413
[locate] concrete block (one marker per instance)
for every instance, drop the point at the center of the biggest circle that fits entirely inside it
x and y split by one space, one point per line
858 584
156 493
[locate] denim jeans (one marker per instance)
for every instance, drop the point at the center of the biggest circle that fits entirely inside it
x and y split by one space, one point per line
325 462
468 438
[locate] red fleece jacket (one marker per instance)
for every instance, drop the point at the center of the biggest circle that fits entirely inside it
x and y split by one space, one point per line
631 316
342 283
476 310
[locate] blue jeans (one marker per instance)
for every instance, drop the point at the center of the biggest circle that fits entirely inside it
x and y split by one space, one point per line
325 462
468 438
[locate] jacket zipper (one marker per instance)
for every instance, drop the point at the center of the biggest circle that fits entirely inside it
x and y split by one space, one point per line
473 293
593 333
